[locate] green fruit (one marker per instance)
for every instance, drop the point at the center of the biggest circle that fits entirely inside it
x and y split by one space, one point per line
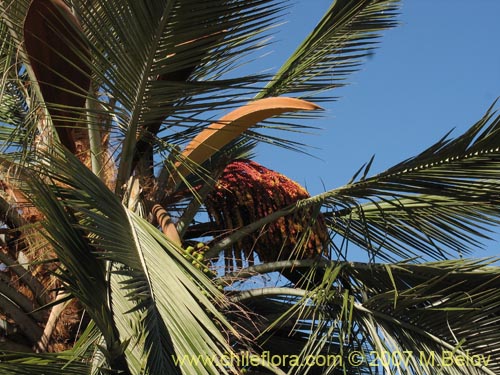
189 249
200 245
199 257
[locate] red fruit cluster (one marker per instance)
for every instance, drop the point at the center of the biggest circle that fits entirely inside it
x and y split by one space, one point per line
246 192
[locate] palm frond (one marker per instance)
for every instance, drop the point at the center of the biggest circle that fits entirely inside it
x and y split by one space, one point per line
427 314
164 295
16 125
445 199
83 274
145 54
159 305
345 35
42 364
419 226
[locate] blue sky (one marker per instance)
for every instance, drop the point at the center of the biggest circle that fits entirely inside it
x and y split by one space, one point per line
439 70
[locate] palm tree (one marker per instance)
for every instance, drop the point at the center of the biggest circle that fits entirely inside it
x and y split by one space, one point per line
136 226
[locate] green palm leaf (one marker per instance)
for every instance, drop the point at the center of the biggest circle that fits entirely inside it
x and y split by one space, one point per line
365 311
444 199
164 297
345 35
157 307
